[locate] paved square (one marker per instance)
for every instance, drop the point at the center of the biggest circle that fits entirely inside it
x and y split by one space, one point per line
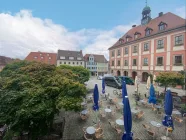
74 124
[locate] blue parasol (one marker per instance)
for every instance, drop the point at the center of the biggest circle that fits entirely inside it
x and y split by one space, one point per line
168 110
127 120
96 98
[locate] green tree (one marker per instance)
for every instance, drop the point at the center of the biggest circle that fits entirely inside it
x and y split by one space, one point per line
170 79
184 75
31 93
82 73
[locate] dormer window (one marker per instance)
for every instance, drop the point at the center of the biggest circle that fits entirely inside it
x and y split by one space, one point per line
136 35
127 38
121 41
148 31
162 26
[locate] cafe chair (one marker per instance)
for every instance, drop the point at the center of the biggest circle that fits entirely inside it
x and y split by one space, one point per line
83 117
139 115
146 127
178 120
154 109
84 129
103 115
99 134
117 107
111 123
87 137
151 134
169 129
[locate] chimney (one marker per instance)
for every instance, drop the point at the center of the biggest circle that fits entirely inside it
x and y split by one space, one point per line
133 26
160 14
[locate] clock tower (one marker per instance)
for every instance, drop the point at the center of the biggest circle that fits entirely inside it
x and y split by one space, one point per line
146 15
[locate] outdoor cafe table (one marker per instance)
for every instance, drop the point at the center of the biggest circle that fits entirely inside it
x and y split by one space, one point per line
135 111
156 124
107 110
158 107
119 122
176 112
90 130
120 103
84 112
83 103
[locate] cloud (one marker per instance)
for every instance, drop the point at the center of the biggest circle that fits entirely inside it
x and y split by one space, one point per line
22 33
181 11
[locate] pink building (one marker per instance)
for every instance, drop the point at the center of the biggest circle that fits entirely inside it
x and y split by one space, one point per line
156 45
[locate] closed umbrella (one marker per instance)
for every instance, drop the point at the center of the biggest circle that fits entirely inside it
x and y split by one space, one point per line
168 110
96 98
127 120
152 97
124 90
148 82
103 85
136 83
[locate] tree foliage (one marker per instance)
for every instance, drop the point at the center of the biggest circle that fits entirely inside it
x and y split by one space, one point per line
82 73
170 79
31 93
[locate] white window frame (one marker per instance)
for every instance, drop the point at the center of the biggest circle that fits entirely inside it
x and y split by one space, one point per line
62 57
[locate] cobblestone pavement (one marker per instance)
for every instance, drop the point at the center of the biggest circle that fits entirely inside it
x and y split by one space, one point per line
74 125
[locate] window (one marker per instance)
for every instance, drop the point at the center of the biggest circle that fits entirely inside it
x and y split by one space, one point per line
126 63
77 63
135 49
81 63
92 67
71 58
127 39
145 61
120 41
160 44
59 62
134 62
118 62
178 60
79 58
40 54
68 62
146 46
118 52
162 27
112 53
179 40
147 32
49 58
135 36
112 63
62 57
64 62
159 61
73 63
35 57
126 50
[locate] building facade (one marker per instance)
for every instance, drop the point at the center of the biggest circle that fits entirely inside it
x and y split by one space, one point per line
96 64
156 45
72 58
4 61
44 57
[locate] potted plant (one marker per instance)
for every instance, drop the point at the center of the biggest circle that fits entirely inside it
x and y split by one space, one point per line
183 108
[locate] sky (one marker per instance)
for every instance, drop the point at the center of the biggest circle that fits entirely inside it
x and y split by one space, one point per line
91 26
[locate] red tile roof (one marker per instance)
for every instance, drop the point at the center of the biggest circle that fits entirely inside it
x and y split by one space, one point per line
97 58
42 57
171 20
5 60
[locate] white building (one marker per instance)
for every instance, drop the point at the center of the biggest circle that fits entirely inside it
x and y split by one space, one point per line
72 58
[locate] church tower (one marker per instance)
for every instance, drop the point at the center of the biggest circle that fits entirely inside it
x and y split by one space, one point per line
146 15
